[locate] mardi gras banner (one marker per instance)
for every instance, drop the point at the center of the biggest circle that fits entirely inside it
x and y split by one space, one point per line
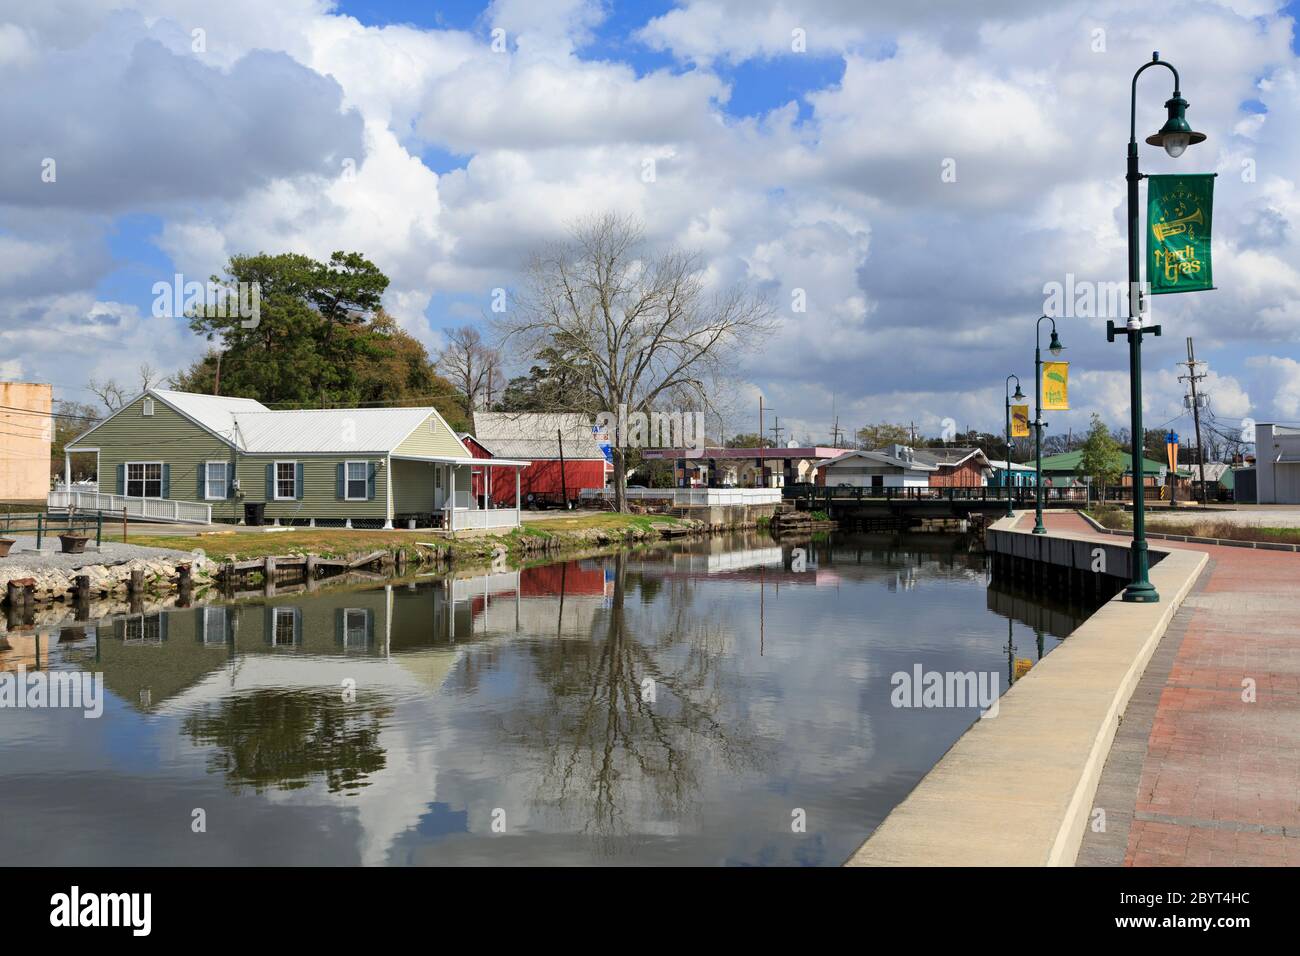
1179 215
1056 386
1019 421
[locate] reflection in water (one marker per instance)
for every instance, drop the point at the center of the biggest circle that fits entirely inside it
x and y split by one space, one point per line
284 738
670 704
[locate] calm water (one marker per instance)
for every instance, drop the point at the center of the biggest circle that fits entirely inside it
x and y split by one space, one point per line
676 705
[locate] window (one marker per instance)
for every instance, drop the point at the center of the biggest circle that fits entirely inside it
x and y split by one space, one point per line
144 479
286 480
143 630
146 408
358 473
215 480
214 625
355 627
284 630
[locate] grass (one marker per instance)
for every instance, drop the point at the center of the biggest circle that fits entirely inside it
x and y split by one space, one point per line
328 542
1120 520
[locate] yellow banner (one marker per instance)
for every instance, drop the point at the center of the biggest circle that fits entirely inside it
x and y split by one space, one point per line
1056 386
1019 421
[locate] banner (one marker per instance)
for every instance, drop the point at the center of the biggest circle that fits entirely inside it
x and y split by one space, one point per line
1019 421
1056 386
1179 215
1171 450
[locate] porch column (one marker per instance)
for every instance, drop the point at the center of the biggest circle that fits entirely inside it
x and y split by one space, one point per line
451 487
67 471
518 503
388 493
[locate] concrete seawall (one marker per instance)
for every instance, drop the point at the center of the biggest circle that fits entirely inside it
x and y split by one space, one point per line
1017 789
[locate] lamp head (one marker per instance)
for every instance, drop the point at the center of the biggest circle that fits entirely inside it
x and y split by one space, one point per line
1176 135
1019 396
1055 346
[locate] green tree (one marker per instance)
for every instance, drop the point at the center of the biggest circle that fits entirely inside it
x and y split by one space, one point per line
1102 458
871 437
311 338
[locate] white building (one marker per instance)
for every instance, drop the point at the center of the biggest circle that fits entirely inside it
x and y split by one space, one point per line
876 469
1277 464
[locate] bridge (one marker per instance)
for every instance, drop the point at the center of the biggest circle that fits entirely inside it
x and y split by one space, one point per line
913 505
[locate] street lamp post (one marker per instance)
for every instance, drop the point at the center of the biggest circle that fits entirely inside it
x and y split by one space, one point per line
1018 397
1175 136
1055 347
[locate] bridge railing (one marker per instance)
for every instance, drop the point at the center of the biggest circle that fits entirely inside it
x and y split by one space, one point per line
1021 495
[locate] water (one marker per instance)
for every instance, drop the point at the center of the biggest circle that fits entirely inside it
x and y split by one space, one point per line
680 705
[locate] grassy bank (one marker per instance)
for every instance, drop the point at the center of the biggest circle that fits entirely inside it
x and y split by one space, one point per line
1121 520
550 534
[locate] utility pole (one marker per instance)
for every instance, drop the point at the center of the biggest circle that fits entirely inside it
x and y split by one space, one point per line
1192 377
776 431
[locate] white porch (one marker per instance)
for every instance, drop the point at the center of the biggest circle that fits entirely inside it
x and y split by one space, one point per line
462 508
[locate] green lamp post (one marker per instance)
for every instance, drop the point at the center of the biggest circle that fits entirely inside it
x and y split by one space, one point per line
1055 347
1175 136
1006 472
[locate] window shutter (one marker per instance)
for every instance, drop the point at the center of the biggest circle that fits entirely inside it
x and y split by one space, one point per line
339 615
341 491
268 631
370 628
270 482
297 626
230 479
203 480
121 479
200 627
166 480
162 626
371 468
299 470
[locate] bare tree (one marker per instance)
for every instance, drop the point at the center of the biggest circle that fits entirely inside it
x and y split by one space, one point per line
112 395
470 364
634 327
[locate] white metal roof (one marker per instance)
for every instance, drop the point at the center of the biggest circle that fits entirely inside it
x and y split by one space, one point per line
329 430
535 435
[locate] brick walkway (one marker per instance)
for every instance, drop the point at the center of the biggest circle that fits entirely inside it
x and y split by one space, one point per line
1219 782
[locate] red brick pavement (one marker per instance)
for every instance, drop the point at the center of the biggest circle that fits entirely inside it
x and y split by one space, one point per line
1220 784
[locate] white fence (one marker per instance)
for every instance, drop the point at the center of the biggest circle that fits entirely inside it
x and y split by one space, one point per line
149 509
697 497
462 518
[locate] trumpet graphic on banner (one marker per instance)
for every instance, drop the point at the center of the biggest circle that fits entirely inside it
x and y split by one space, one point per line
1163 230
1019 421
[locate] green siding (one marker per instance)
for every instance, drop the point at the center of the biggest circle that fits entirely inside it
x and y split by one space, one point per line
413 487
433 438
173 439
320 497
167 436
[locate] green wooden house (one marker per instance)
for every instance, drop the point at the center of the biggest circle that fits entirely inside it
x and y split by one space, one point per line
178 456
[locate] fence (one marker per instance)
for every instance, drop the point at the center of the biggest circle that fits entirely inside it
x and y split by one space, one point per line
150 509
45 525
695 497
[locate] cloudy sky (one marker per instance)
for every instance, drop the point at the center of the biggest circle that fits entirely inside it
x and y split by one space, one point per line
798 145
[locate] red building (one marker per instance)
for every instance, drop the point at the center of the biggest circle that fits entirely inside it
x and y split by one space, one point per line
562 448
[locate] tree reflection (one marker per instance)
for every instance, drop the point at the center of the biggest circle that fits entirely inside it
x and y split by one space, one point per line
610 755
286 739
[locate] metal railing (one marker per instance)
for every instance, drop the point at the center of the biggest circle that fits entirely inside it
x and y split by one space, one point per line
694 497
150 509
45 525
1022 495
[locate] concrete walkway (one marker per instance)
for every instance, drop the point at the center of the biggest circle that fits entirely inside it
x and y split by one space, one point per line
1217 782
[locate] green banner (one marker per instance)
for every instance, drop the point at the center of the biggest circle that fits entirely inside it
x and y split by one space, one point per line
1179 215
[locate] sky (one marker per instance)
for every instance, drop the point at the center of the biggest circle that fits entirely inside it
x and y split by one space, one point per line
916 172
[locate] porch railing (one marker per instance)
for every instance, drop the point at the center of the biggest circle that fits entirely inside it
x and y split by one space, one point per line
149 509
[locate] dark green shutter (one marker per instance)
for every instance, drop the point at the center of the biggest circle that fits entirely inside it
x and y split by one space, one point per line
299 471
203 478
270 482
297 626
121 479
371 469
339 615
166 480
342 481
